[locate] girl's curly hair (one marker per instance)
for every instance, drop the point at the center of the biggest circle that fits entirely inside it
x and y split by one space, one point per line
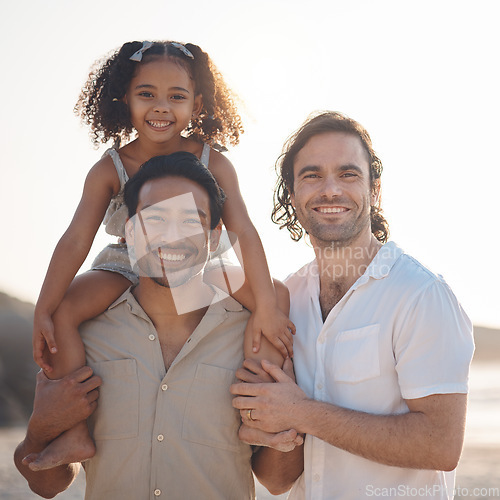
328 121
101 107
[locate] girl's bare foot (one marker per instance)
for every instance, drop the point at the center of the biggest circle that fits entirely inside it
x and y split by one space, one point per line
74 445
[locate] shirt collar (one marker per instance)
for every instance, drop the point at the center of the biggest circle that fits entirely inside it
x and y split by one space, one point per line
382 263
124 297
379 267
134 306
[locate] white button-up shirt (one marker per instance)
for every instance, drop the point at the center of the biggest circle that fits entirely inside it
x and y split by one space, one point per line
398 333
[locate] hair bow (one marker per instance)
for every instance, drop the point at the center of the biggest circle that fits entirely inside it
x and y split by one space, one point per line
137 56
183 49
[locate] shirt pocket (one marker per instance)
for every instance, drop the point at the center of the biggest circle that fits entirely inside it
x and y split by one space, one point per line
356 355
117 413
210 418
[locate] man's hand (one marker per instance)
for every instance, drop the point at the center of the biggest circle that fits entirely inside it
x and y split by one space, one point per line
273 404
253 373
60 404
280 460
282 441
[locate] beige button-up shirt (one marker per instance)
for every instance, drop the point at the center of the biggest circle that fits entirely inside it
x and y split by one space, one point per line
166 434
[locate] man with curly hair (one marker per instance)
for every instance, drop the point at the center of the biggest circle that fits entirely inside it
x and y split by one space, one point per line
382 348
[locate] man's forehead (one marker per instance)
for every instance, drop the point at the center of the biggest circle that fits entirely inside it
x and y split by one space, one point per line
183 202
173 192
332 147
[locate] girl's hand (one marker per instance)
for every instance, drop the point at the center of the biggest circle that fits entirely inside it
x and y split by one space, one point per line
276 327
43 340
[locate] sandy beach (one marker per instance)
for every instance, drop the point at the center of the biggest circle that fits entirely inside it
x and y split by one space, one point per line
478 474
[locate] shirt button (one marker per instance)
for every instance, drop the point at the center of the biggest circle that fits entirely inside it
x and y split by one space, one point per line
157 492
160 437
316 477
319 386
164 387
152 337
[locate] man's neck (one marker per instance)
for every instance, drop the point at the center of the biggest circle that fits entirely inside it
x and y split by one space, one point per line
161 304
339 266
173 306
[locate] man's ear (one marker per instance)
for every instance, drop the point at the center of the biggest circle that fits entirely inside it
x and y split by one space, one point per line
215 235
198 106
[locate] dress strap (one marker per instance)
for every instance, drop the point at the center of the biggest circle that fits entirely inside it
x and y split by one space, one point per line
205 155
120 169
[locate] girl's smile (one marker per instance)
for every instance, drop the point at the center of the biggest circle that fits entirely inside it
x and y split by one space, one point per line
159 125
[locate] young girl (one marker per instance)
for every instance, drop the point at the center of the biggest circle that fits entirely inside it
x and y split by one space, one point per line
173 98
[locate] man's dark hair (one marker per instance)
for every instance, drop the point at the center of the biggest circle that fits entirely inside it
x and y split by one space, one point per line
180 164
327 121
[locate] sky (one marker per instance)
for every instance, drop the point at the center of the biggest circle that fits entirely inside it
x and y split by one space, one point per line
422 77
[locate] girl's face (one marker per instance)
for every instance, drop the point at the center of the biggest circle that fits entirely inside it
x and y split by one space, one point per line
161 99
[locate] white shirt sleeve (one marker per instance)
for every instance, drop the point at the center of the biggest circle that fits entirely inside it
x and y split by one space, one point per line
433 344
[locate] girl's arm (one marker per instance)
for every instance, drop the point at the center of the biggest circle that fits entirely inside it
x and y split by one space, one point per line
267 350
73 248
268 318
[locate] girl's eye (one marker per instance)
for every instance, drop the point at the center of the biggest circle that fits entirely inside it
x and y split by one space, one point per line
192 222
146 94
178 97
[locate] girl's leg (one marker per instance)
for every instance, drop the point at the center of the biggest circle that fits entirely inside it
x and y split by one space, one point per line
89 295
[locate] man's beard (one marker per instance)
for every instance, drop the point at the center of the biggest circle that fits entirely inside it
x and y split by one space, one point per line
331 234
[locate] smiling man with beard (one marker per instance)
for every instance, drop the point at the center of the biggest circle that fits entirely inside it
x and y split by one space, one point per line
164 425
382 349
